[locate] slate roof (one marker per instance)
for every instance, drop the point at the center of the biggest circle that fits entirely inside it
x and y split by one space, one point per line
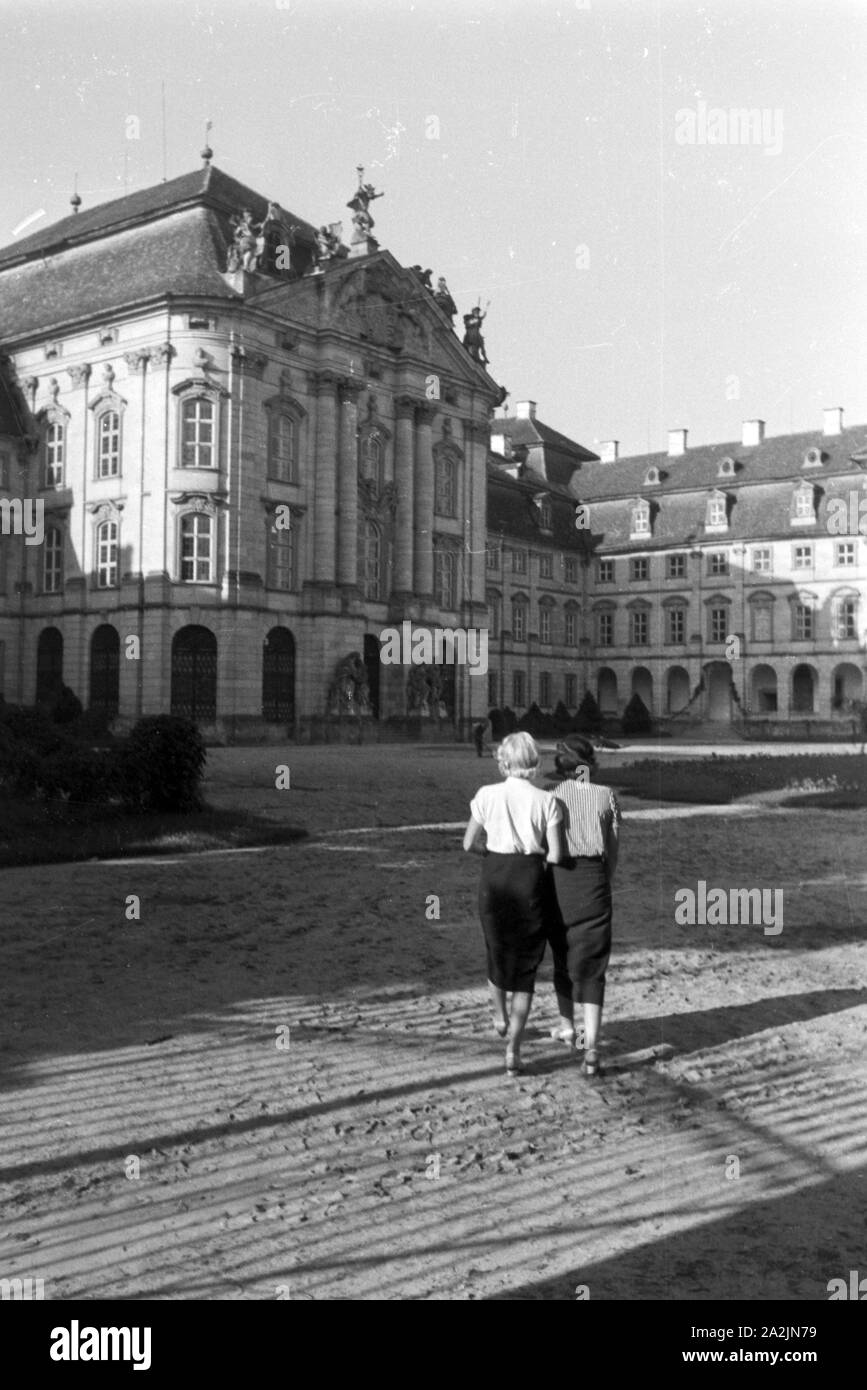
512 511
12 408
167 240
759 493
560 455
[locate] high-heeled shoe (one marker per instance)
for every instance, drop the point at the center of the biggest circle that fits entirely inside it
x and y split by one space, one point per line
513 1063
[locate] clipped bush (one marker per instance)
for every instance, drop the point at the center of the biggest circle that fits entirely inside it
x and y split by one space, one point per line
32 728
588 717
498 724
67 708
161 764
636 717
562 719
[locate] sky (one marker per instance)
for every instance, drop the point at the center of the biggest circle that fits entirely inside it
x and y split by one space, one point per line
648 259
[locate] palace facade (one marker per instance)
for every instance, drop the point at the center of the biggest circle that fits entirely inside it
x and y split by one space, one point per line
255 448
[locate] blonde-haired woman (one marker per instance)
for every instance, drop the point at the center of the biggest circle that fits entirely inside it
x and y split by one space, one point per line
521 823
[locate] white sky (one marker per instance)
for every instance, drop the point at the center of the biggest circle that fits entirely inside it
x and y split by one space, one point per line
719 282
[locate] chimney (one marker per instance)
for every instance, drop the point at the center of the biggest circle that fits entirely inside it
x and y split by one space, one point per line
676 443
754 433
833 420
609 450
525 410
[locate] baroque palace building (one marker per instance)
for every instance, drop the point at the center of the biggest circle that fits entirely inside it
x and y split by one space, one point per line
255 447
725 582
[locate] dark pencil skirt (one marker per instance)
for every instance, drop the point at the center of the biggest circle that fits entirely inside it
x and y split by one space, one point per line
511 906
580 929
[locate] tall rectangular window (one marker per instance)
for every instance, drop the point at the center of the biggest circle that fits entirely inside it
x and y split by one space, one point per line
570 569
571 690
545 689
639 569
52 561
493 688
446 486
55 448
605 629
495 616
445 564
571 625
519 561
718 624
675 566
282 438
106 555
108 445
544 622
639 625
197 433
519 690
675 622
804 623
546 565
845 618
492 557
197 557
605 572
519 621
281 558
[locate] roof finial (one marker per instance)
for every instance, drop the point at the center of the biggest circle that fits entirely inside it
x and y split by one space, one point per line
207 152
75 200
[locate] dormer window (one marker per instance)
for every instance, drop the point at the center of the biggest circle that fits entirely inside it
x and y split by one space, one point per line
651 477
640 524
726 468
813 458
716 514
803 506
543 505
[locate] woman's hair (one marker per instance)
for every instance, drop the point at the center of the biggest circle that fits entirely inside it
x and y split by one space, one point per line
518 756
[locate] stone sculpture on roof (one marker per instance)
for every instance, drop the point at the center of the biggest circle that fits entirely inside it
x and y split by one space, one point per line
360 205
444 299
473 340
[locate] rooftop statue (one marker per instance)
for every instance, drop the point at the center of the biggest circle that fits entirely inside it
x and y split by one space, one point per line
423 275
360 205
329 243
444 299
473 340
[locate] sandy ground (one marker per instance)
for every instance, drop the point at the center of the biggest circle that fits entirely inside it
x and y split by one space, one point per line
281 1081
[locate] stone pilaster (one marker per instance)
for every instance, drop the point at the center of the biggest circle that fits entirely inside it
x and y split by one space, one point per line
404 477
424 501
347 486
324 387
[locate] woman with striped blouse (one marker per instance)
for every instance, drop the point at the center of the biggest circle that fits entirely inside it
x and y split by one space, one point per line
580 933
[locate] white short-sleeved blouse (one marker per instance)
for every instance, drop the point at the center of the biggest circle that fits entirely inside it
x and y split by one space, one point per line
516 816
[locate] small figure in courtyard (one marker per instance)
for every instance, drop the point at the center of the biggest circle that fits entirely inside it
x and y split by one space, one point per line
479 739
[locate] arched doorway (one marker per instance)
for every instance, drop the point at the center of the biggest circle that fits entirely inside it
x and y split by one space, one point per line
678 689
718 681
49 665
848 684
278 677
372 665
105 670
642 685
763 690
606 686
194 674
803 689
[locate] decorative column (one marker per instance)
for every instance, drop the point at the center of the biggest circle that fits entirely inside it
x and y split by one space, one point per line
347 486
424 500
404 470
477 441
324 386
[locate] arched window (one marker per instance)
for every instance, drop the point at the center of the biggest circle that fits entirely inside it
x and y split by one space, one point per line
106 554
282 447
197 432
197 548
108 444
194 674
372 578
55 451
372 458
445 576
105 670
52 561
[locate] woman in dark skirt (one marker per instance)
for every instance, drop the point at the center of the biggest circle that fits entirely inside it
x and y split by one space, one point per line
580 918
520 822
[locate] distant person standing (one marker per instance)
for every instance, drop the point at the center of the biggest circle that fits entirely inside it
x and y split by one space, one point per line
522 827
580 932
479 739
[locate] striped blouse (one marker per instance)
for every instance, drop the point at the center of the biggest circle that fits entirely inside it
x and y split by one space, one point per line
591 817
